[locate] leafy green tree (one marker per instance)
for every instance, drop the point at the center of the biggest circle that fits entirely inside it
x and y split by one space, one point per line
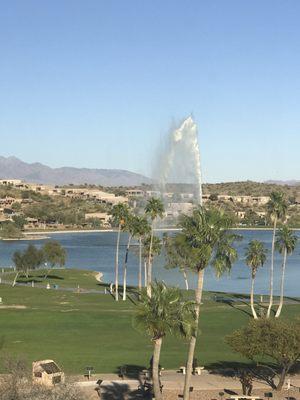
213 197
269 339
205 233
154 209
119 215
256 255
177 255
31 258
16 207
18 261
276 209
20 221
285 243
54 254
163 313
9 230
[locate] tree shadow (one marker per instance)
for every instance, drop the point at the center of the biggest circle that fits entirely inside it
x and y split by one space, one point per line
263 373
37 278
119 391
233 304
130 371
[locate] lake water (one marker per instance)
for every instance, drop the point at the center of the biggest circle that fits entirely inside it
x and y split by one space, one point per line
96 251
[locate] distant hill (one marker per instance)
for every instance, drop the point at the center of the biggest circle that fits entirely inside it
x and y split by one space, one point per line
13 168
283 183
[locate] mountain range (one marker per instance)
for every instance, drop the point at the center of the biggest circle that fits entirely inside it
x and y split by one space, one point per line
14 168
293 182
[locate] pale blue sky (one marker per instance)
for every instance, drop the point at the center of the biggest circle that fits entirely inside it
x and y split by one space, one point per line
96 83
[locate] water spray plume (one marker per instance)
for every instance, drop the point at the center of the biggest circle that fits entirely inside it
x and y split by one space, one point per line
180 160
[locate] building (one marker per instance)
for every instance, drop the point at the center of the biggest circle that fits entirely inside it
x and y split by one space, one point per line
135 193
240 214
47 373
187 196
103 217
96 195
10 182
173 210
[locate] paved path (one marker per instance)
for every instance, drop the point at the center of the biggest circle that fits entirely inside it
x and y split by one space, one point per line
172 380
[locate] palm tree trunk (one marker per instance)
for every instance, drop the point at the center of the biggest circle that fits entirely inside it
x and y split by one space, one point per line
272 270
278 312
185 279
117 265
192 345
15 280
145 273
155 369
149 277
140 265
252 298
125 268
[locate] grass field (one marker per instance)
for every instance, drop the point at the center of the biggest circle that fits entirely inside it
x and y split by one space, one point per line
80 329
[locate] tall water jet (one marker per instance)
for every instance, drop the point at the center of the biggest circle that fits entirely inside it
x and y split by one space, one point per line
180 159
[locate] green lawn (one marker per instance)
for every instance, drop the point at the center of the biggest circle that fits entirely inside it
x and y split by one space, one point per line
78 330
62 277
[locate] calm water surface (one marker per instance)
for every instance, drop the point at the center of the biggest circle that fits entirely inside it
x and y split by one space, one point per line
96 251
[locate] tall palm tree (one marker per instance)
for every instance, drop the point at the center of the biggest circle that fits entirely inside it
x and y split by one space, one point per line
285 243
154 209
142 229
277 209
156 246
206 234
119 214
256 255
163 313
133 227
177 255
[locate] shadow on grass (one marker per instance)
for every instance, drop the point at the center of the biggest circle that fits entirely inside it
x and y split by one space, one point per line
38 278
261 373
234 304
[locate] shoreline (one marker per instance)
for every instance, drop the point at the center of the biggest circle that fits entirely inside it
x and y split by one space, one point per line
115 230
26 237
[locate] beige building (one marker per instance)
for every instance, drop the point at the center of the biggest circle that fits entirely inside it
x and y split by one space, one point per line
103 217
135 193
47 373
175 209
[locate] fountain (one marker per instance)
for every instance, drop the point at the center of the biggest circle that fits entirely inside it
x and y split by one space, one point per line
179 162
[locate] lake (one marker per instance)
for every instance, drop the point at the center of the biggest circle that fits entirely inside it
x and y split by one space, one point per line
96 251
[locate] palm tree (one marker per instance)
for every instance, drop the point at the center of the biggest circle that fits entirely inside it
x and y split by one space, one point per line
205 233
177 255
163 313
256 255
285 243
142 229
156 247
154 208
119 214
277 209
132 226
